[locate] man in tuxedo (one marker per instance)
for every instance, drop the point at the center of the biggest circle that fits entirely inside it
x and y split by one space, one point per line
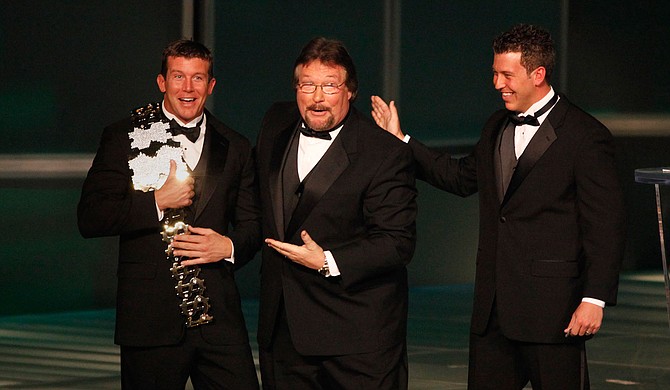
551 226
208 182
338 205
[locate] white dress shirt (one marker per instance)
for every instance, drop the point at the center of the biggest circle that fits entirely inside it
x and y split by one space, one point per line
191 152
310 152
524 133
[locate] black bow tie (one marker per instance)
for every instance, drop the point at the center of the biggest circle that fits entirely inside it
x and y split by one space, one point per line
192 133
315 134
532 119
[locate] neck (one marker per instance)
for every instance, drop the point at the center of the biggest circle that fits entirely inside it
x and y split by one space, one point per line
541 96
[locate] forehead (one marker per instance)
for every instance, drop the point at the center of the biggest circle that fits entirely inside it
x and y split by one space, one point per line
183 64
317 69
507 60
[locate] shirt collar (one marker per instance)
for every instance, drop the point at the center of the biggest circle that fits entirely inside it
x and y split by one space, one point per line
170 116
540 103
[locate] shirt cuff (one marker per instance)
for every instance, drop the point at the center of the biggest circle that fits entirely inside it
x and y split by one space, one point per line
594 301
332 265
159 212
230 259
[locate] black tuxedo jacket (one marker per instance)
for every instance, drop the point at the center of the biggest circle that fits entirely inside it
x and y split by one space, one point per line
147 306
557 234
359 202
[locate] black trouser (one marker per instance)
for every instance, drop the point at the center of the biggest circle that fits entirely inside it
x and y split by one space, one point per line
169 367
283 368
498 363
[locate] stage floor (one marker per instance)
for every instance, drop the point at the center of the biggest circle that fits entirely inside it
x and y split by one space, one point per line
632 351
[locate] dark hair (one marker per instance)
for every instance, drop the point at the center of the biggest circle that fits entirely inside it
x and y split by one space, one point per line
535 44
330 52
188 49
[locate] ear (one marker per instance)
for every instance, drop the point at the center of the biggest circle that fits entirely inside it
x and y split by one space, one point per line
539 75
160 80
210 87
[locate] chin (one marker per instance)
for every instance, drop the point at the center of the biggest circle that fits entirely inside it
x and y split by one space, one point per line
320 125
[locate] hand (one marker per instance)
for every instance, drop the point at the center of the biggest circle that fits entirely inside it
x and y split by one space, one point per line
310 254
386 116
586 320
176 192
202 246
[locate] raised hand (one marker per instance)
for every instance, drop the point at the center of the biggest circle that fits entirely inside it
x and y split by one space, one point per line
386 116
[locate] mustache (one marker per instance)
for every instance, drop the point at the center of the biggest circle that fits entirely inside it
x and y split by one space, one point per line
318 107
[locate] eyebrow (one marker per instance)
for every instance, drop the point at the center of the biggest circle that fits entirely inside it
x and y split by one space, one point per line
182 72
504 72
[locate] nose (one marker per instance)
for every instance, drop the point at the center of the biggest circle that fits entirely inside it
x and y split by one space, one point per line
498 82
318 95
187 85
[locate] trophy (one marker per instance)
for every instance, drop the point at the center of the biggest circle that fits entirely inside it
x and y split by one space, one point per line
189 286
152 148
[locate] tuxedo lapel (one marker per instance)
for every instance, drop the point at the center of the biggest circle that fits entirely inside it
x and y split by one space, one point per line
498 158
319 180
279 152
215 152
539 144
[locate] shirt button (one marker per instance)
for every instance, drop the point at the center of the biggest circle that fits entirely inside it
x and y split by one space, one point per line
503 219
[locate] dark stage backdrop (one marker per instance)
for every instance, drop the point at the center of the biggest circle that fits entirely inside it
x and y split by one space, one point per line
71 67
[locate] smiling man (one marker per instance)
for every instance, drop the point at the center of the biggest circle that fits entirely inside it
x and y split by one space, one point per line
551 222
338 201
178 313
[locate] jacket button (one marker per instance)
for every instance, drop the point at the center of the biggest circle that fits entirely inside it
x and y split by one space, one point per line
503 219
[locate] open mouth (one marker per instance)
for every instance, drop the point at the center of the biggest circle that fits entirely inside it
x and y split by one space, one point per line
187 100
318 109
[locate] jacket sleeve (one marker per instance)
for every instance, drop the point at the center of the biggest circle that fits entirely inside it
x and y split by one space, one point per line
109 205
601 215
246 232
441 170
390 209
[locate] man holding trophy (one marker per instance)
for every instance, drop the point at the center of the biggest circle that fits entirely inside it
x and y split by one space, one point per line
178 188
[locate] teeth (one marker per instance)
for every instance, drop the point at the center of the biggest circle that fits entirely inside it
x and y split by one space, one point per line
187 99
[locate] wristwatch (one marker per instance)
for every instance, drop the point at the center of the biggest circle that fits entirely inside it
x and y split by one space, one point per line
325 271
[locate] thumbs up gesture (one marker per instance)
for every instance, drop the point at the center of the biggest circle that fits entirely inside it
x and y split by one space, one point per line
177 191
